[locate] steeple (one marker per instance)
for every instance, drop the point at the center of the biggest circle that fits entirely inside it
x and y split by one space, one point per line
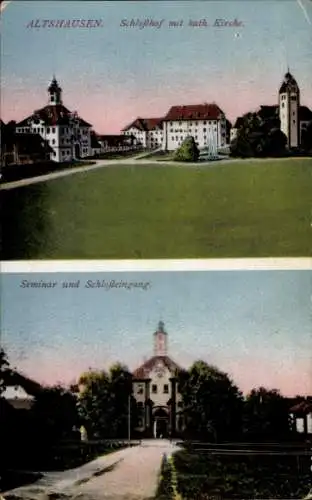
55 92
289 105
160 340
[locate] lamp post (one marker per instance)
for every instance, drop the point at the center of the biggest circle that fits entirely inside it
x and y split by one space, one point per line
129 419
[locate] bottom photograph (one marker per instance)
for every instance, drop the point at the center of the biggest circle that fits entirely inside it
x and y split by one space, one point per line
186 385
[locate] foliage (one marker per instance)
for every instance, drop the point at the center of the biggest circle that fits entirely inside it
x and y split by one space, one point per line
165 490
104 402
258 136
55 412
188 151
307 138
4 366
213 404
266 415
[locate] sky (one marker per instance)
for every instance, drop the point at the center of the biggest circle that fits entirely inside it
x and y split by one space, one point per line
254 325
111 74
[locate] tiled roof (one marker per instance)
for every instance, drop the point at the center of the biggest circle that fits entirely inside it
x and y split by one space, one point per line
13 378
302 408
144 370
194 112
145 124
56 114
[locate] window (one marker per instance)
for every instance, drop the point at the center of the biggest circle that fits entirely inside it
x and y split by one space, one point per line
48 130
205 122
283 104
294 113
204 129
172 138
53 141
294 121
166 388
196 123
293 98
53 130
154 389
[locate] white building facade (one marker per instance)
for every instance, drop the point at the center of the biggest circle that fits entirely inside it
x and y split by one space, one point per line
68 135
155 389
204 122
147 131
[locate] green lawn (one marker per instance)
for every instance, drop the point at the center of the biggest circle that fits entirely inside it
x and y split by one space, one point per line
239 209
213 477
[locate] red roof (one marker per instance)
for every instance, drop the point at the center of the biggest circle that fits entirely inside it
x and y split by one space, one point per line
302 408
53 115
144 370
194 112
145 124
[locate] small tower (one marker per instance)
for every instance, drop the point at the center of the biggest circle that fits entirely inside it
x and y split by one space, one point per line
55 92
160 340
289 103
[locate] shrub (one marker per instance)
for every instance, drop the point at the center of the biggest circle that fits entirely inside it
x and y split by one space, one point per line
188 151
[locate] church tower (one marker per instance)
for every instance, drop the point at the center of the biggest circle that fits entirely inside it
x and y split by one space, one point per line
55 93
160 340
289 103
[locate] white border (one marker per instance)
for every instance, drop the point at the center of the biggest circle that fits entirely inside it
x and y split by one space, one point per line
48 266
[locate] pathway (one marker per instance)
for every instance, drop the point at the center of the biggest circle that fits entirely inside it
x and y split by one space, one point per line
128 474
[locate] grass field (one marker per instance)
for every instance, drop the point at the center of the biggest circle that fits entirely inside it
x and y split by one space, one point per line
239 209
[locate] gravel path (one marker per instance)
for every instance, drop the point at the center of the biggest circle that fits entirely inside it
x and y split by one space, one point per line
128 474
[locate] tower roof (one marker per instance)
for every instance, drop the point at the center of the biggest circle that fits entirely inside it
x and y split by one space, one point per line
160 328
289 82
54 86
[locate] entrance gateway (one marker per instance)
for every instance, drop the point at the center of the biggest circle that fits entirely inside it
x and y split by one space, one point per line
161 424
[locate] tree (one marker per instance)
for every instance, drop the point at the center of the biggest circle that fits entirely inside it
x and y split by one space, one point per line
307 138
104 402
188 151
266 414
55 412
212 403
258 135
4 368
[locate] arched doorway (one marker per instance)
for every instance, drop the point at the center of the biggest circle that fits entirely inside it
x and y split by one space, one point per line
77 151
160 423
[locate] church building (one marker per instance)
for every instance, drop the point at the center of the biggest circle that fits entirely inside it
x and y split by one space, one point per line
67 134
156 391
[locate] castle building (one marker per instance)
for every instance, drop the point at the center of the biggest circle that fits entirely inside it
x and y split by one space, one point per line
156 391
147 131
205 122
67 134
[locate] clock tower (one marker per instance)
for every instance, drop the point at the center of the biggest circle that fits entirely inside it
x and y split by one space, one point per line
160 340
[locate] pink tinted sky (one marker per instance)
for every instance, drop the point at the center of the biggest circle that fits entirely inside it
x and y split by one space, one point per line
255 325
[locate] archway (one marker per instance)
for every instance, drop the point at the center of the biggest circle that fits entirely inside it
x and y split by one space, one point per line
160 423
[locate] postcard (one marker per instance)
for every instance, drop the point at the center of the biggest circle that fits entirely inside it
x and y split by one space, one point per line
156 130
197 383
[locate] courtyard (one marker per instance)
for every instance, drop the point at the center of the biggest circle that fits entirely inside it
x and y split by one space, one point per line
150 210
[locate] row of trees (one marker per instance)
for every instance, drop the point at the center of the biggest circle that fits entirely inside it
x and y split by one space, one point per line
214 408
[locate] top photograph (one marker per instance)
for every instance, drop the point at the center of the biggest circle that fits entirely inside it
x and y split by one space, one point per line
156 129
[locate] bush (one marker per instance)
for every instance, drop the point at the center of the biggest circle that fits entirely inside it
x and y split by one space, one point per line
188 151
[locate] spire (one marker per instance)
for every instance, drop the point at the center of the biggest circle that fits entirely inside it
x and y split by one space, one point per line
160 340
55 92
